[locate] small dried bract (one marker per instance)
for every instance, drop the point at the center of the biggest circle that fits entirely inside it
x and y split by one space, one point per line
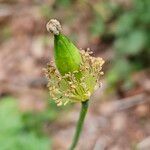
75 86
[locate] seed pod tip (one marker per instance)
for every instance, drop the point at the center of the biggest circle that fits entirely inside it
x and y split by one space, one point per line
54 26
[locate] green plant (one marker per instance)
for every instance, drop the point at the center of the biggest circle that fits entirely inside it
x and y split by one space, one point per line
128 28
74 76
64 3
132 41
103 14
13 133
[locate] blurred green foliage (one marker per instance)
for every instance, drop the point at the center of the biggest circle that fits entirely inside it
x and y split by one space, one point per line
5 33
17 130
132 40
45 10
63 2
129 27
34 121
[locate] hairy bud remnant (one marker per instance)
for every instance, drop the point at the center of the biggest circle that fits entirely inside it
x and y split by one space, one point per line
54 26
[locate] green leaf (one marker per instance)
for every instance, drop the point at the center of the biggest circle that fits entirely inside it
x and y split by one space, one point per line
98 27
9 116
120 71
63 2
132 44
12 133
125 23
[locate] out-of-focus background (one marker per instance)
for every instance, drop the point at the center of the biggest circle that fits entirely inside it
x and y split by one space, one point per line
119 113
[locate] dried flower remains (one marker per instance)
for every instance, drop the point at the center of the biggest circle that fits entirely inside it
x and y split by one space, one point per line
76 86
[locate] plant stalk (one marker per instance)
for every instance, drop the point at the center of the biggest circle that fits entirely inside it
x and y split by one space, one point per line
80 123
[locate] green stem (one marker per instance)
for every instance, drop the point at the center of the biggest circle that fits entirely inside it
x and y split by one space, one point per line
79 124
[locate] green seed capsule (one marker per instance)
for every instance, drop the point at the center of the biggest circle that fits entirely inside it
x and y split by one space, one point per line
66 54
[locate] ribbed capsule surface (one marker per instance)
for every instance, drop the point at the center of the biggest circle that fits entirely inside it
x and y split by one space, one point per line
66 54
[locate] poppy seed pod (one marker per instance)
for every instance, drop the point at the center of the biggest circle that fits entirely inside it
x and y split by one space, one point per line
66 55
